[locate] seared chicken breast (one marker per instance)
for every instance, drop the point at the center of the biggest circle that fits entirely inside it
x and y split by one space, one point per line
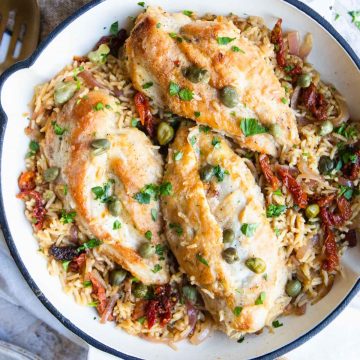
217 228
208 72
106 168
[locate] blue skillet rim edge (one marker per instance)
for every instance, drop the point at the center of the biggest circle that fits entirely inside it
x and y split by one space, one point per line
10 243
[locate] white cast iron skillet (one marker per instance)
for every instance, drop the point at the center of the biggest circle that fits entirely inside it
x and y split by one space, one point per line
331 55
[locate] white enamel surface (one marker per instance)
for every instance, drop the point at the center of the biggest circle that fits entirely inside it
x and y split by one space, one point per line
78 38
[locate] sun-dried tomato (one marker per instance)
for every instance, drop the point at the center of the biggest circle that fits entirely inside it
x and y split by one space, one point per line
268 173
326 200
314 102
352 169
143 108
299 195
344 207
26 180
78 263
39 210
334 218
294 70
277 39
113 41
160 307
63 253
331 255
98 293
139 309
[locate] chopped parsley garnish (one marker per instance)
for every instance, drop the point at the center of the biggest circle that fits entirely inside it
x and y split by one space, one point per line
192 140
204 128
65 264
277 232
178 155
346 191
92 243
148 235
107 106
134 122
33 148
99 106
158 25
355 18
224 40
260 300
349 132
240 340
156 268
173 88
187 13
275 210
114 28
159 250
174 35
144 196
216 142
102 193
277 324
251 127
67 217
141 3
265 276
165 189
237 310
277 192
58 129
284 100
177 228
202 260
154 214
249 229
116 225
186 94
197 114
220 173
65 189
337 15
93 303
237 49
148 85
183 93
141 320
87 283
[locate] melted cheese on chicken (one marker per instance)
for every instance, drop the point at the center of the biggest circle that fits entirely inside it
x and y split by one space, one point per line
162 45
239 299
126 167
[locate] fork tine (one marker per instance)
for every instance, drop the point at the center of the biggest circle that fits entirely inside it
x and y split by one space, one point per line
14 37
4 11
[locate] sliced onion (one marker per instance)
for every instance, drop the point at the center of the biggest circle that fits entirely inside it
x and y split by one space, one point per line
90 80
199 336
98 277
345 182
324 290
74 234
344 114
306 46
294 42
295 97
127 289
109 308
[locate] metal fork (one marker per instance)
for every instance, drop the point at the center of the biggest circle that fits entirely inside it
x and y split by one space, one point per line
19 30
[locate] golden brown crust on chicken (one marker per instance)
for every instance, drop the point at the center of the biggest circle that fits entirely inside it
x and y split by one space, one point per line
160 53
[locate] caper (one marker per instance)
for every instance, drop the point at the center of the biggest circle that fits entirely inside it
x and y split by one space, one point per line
304 80
206 173
312 211
140 291
229 96
195 74
99 146
275 131
190 293
99 56
146 250
64 91
230 255
293 288
114 207
228 236
256 265
326 128
51 173
165 133
117 276
325 165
